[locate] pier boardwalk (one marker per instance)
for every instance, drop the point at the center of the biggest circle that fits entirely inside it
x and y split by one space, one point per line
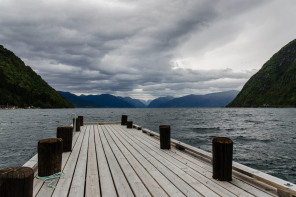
112 160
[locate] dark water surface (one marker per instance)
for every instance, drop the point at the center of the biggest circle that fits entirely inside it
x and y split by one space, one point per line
264 139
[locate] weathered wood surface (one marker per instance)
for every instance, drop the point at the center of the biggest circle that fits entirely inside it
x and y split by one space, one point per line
222 151
16 181
66 133
49 156
253 177
92 187
165 136
111 160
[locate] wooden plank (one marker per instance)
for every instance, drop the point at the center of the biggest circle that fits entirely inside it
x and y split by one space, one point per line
169 188
75 137
282 185
78 181
176 180
41 188
120 181
208 175
63 184
153 187
189 169
37 183
33 163
235 186
107 186
134 181
201 183
252 186
92 188
45 190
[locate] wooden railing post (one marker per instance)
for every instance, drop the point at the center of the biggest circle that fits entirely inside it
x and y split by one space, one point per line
129 124
123 119
16 181
66 133
222 150
165 136
81 120
50 156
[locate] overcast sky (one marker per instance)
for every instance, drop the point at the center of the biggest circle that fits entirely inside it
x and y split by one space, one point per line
146 48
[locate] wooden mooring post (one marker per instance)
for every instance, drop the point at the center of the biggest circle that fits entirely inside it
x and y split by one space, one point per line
16 181
66 133
81 120
165 136
50 156
129 124
123 119
222 150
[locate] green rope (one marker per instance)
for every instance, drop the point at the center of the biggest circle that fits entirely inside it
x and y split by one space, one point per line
50 179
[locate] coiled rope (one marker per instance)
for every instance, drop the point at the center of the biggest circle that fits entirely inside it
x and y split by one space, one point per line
50 179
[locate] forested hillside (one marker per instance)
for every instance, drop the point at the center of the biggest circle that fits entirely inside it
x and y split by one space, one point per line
20 86
274 85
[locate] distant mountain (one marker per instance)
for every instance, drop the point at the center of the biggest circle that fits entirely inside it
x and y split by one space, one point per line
77 101
103 101
157 102
274 85
107 101
219 99
21 86
135 102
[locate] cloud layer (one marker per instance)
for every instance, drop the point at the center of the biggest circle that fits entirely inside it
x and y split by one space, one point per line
146 49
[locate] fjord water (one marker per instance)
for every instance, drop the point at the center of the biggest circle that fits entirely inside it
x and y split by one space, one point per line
264 139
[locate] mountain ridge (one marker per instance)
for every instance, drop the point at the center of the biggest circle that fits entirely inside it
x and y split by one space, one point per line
219 99
274 85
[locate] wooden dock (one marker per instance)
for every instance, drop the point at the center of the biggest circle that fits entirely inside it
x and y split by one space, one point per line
111 160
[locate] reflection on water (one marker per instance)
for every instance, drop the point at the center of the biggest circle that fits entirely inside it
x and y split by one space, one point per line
264 139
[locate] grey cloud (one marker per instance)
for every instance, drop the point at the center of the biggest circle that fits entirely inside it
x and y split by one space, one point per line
126 47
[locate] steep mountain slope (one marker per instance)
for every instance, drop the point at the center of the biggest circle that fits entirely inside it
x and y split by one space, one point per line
219 99
158 101
21 86
274 85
